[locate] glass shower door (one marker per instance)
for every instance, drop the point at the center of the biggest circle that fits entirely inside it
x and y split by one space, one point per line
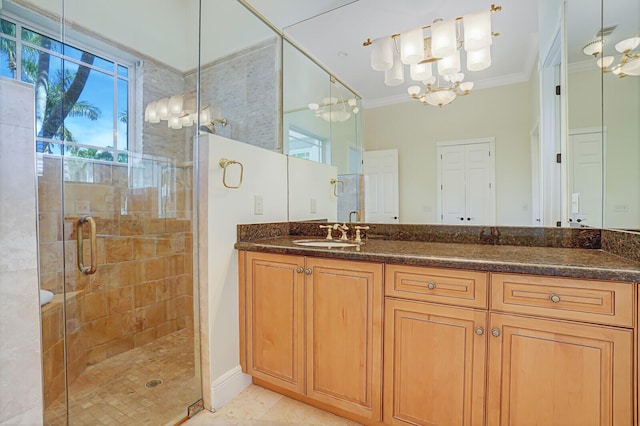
120 337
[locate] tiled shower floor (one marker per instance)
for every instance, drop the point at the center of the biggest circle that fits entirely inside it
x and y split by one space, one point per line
113 391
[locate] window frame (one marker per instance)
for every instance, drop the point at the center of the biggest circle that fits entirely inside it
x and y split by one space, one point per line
85 41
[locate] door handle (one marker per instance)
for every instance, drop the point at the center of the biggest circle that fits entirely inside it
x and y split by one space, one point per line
87 270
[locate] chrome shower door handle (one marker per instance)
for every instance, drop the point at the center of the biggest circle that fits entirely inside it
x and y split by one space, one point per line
87 270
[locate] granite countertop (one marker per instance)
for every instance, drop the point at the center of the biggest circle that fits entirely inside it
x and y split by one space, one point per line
556 261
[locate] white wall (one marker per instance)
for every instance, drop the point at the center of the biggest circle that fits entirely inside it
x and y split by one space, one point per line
310 180
20 348
503 112
265 173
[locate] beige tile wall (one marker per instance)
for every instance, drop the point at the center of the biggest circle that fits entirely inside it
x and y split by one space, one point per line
142 289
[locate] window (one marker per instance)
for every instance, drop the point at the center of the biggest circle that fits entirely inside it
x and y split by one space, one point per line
307 146
82 99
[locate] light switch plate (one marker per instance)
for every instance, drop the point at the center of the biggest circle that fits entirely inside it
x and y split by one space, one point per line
313 205
258 204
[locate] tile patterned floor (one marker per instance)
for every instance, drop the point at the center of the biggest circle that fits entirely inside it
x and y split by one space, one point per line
256 406
113 392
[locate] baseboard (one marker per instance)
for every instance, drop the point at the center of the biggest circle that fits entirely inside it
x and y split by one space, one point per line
228 386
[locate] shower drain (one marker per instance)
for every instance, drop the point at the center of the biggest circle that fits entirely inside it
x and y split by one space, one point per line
153 383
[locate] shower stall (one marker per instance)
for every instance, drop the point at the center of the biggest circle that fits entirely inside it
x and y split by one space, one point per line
115 205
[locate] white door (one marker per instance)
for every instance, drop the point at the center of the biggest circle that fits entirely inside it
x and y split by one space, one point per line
453 208
381 186
466 176
536 180
585 178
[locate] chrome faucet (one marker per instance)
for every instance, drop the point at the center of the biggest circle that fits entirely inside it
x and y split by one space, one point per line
357 216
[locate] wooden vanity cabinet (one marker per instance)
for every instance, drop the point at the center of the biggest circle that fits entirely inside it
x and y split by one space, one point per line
313 326
555 351
563 367
274 319
550 372
434 364
435 353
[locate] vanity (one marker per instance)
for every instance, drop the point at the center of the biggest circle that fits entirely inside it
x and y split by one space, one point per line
443 325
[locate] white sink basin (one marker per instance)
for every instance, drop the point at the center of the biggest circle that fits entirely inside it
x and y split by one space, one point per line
324 243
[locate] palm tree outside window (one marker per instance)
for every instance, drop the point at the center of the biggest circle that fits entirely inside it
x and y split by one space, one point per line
82 99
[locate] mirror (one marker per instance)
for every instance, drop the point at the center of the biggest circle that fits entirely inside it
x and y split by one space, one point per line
321 123
510 114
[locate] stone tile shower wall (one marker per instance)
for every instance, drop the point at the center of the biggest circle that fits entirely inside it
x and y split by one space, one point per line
244 88
142 289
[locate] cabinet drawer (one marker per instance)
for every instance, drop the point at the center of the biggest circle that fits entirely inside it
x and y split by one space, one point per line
602 302
439 285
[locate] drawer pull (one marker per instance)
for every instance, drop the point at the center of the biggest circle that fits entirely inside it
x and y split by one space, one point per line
495 332
431 285
479 331
299 269
307 271
554 298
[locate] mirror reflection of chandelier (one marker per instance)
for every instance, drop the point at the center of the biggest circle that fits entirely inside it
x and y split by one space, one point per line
629 63
443 46
334 110
441 95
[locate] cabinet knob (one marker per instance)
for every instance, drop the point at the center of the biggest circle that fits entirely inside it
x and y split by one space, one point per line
307 271
495 332
431 285
479 331
554 298
299 269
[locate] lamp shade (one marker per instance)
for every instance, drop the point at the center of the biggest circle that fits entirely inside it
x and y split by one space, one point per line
605 62
477 30
163 108
627 44
478 60
187 120
175 104
414 91
440 97
429 81
420 72
449 64
205 115
593 48
466 86
395 75
382 54
443 38
632 67
174 122
151 113
412 46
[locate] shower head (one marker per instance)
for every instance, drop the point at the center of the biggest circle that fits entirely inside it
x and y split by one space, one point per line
210 126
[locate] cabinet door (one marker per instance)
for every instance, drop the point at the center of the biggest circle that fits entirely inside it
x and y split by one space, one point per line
434 364
546 372
344 335
275 319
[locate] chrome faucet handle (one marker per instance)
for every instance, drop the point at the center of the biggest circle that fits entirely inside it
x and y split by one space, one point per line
343 228
358 228
328 228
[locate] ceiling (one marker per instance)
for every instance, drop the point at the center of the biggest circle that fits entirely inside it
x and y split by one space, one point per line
332 31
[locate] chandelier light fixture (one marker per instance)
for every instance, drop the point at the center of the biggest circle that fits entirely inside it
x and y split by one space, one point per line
629 63
334 110
443 45
180 111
